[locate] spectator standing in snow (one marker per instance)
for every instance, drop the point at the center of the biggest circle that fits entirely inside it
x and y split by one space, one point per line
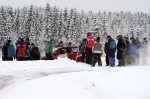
120 49
144 51
133 51
124 51
49 49
4 50
60 44
69 50
82 48
89 46
138 44
97 50
11 51
27 51
19 40
20 50
126 54
34 52
111 50
106 52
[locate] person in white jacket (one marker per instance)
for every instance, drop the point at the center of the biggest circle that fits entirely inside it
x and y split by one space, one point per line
97 51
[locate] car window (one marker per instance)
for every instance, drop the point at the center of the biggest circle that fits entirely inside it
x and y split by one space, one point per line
62 50
54 49
74 49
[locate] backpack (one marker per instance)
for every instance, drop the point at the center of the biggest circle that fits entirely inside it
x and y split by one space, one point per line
21 49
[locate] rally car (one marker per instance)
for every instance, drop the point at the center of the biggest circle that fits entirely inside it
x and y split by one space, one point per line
71 52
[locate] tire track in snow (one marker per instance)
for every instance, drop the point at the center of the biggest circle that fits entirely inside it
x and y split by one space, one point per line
5 80
9 78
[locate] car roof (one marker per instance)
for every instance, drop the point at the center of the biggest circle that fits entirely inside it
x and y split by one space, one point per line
65 47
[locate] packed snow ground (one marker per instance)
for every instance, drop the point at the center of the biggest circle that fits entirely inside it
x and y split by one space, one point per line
66 79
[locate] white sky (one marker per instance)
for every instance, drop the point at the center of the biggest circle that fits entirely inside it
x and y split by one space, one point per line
86 5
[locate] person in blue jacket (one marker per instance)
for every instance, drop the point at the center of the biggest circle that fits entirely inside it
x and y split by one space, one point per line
132 51
111 50
11 51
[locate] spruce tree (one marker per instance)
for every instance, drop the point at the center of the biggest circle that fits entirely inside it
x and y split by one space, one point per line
8 26
47 23
2 31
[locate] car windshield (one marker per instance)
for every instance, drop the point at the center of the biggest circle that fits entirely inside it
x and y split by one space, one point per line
67 50
74 49
54 49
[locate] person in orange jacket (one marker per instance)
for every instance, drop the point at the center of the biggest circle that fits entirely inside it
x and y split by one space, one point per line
89 46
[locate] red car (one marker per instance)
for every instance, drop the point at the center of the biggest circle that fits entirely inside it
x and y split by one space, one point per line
72 52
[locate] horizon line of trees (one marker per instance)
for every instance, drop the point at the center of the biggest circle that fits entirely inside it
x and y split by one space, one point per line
41 24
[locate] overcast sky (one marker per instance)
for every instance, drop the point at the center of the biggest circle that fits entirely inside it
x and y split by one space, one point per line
86 5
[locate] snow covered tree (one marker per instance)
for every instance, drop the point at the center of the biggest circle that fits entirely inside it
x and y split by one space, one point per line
104 27
54 24
8 27
28 22
60 27
23 20
16 24
2 31
47 23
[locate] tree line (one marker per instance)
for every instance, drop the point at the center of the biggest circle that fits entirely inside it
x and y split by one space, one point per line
69 25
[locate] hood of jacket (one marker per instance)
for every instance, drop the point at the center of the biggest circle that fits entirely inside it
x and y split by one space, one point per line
11 43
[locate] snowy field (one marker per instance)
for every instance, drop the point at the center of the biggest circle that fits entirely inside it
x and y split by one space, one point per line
66 79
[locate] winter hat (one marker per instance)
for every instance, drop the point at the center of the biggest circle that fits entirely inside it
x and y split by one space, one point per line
11 43
61 42
19 38
51 40
22 40
89 33
32 44
127 37
98 38
108 36
84 39
132 38
144 38
69 43
27 39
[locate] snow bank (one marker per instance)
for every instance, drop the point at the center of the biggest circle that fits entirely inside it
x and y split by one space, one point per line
117 83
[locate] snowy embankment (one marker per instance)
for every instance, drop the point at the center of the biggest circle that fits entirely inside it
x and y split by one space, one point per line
65 79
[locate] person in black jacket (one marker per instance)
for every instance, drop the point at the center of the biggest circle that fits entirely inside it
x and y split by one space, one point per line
106 52
82 48
34 52
4 51
120 48
69 50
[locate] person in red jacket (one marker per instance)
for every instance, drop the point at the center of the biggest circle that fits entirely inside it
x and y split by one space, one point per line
89 46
